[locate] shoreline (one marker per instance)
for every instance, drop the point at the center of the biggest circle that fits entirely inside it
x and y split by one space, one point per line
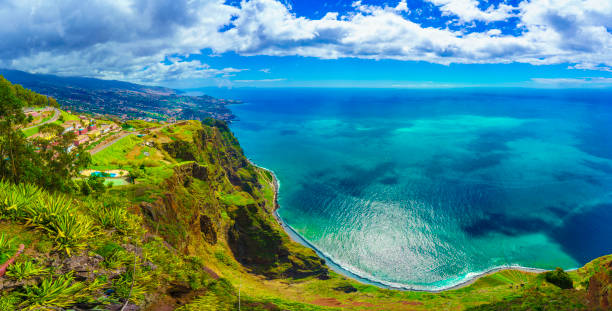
470 278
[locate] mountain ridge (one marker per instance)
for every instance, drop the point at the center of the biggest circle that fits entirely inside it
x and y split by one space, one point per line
123 99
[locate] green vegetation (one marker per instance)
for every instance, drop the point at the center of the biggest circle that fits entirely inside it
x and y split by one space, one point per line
94 184
237 199
115 155
140 124
52 214
31 131
45 162
65 116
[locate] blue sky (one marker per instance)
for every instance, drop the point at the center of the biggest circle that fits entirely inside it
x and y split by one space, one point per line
276 43
297 71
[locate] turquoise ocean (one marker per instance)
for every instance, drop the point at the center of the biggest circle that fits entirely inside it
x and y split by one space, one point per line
425 189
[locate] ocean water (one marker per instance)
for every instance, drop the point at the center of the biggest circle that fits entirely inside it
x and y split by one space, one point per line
424 189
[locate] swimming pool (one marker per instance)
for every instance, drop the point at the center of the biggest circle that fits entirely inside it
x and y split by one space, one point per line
103 174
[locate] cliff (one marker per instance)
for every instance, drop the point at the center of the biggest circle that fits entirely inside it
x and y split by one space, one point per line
218 197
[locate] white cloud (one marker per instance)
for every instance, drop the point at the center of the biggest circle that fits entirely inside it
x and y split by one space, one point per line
590 67
135 39
467 10
266 27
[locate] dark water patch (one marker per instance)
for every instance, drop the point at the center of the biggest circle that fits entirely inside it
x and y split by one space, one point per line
288 132
356 179
389 181
505 224
318 174
594 138
598 166
488 149
251 126
380 132
559 212
435 167
478 162
320 187
311 197
587 235
571 176
496 141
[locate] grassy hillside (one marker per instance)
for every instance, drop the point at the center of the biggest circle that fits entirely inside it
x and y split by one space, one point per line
196 229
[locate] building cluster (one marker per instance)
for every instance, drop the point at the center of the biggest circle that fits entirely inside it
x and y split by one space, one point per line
87 130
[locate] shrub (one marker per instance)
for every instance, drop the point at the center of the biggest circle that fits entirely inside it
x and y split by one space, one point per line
559 278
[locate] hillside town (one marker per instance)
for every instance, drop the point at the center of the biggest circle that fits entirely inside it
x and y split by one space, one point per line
88 131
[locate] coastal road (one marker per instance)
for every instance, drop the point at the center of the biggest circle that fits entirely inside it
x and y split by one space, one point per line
99 148
54 118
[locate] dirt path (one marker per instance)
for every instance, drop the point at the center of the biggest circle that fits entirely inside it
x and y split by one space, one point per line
101 147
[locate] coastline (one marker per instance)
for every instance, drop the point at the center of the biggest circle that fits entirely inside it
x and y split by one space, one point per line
469 279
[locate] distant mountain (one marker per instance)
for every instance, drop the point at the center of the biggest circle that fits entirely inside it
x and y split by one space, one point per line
123 99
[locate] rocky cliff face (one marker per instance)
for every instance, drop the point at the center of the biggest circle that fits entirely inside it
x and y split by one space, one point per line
599 288
217 196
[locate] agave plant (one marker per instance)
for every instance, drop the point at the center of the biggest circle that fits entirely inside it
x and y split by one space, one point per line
52 293
47 209
54 214
15 198
70 231
25 270
110 217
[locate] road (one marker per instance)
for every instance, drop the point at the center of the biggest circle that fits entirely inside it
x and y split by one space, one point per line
101 147
54 118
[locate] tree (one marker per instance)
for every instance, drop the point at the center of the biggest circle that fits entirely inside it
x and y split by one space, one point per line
12 142
46 160
53 102
135 173
560 278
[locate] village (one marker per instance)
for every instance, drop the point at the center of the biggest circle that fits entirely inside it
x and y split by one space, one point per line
115 145
88 131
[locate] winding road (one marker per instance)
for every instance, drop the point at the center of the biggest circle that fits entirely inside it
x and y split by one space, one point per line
54 118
